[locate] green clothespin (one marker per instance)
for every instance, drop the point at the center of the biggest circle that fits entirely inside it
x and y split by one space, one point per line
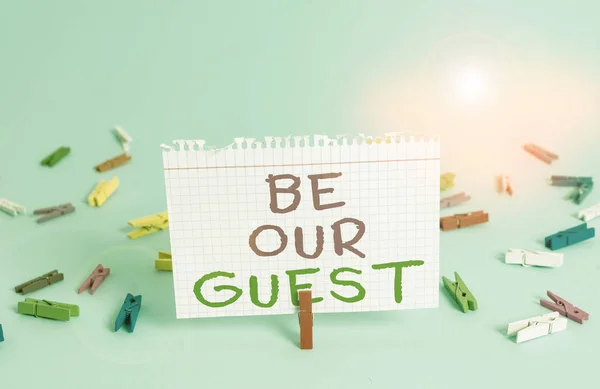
48 309
461 293
581 192
56 156
446 181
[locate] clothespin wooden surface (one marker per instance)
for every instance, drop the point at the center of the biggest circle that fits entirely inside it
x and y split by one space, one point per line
148 225
112 163
565 308
47 309
54 212
129 312
40 282
569 237
103 191
11 208
529 258
305 316
536 327
56 156
540 153
460 293
164 261
454 200
446 181
95 279
463 220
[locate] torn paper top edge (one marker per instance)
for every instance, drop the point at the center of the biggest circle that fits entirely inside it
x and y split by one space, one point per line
274 142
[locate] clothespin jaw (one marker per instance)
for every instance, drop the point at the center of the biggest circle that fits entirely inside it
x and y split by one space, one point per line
40 282
112 163
463 220
123 138
446 181
529 258
47 309
569 237
54 212
454 200
1 334
148 225
11 208
164 261
129 312
103 191
461 294
565 308
56 156
305 316
95 279
540 153
589 213
536 327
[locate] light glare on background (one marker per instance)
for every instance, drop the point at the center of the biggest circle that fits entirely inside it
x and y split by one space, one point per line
471 85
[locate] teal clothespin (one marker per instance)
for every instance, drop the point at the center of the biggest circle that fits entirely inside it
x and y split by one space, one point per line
1 334
581 192
461 293
47 309
56 156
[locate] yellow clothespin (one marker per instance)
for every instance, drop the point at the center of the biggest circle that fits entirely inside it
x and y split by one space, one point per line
102 192
446 181
148 225
164 261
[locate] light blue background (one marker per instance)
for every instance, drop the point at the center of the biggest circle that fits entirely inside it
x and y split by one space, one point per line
71 70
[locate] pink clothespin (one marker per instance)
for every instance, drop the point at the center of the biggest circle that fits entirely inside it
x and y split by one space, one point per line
565 308
95 279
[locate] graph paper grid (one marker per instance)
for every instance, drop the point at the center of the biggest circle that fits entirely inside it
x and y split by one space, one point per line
216 198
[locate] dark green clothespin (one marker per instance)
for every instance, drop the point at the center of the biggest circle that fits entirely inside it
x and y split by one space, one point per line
461 293
56 156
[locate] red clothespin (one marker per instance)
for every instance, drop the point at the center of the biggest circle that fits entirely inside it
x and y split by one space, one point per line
306 319
95 279
565 308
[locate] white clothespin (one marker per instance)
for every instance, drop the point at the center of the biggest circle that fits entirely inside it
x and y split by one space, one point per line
589 213
537 327
10 207
124 138
533 258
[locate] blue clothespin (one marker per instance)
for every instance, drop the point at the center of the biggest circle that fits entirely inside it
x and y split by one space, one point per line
1 334
129 312
569 237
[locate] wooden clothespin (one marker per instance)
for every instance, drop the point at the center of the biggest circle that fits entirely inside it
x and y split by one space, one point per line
11 208
536 327
589 213
47 309
460 293
103 191
446 181
95 279
569 237
54 212
148 225
124 138
305 316
565 308
129 312
529 258
56 156
40 282
454 200
112 163
504 185
583 186
164 261
462 220
540 153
